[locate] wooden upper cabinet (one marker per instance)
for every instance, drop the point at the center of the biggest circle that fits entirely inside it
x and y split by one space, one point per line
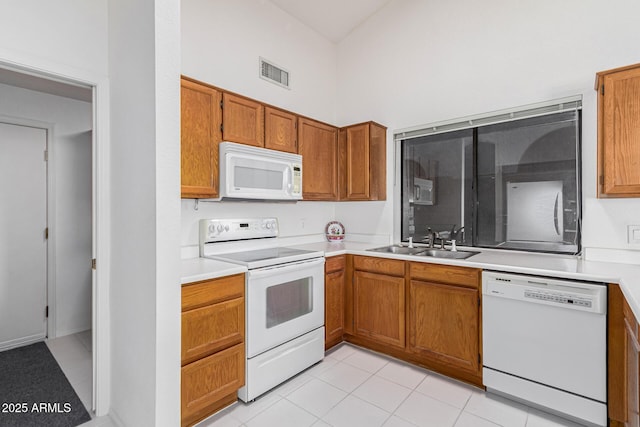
318 145
619 132
242 120
363 162
199 137
280 130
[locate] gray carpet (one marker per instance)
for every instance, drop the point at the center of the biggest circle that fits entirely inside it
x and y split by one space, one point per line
35 392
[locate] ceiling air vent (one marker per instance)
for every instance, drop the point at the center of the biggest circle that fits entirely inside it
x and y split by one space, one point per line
274 74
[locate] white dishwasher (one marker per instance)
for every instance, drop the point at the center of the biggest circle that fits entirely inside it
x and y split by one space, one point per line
544 343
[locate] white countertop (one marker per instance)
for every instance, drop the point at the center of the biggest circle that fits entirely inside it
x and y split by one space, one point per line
561 266
197 269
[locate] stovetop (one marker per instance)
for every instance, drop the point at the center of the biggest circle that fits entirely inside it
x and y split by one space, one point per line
249 242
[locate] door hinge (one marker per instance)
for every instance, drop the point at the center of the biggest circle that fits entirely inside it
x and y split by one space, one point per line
46 312
601 179
221 128
221 104
479 359
46 233
46 155
479 302
602 90
93 263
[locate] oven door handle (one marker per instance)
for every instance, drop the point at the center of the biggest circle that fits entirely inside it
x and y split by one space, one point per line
283 268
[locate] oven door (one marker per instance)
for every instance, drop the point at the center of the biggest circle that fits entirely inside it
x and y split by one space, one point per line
283 302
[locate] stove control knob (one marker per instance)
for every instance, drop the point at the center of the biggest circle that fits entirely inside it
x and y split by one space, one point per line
220 228
212 228
268 226
226 228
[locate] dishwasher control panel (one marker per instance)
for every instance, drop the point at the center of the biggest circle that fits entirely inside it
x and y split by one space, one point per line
561 293
558 298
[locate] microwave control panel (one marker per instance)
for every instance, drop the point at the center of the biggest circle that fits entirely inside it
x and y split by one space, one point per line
220 230
297 179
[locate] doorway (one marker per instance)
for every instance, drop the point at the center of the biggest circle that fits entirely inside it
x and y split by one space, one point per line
64 114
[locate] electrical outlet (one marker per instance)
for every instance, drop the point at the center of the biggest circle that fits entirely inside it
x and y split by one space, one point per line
633 234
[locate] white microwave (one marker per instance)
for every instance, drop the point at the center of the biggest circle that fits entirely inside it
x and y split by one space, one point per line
248 172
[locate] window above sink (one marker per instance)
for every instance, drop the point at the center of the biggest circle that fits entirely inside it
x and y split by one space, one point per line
510 178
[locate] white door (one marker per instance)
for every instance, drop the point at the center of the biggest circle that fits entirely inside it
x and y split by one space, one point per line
23 243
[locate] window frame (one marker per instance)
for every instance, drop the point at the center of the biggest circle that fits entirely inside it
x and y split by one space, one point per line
573 103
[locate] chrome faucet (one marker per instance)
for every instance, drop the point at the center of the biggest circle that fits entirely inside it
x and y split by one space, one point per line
433 235
410 241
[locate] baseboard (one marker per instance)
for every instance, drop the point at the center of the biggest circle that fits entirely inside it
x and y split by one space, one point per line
20 342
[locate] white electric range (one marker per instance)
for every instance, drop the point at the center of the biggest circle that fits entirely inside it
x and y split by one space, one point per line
284 299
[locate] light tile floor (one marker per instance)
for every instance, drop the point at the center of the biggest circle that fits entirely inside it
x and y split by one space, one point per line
73 354
353 387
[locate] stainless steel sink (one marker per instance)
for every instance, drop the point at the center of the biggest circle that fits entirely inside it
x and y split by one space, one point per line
402 250
441 253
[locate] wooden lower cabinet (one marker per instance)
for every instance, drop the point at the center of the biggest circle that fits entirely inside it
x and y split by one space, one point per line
379 307
623 360
334 294
213 355
211 383
443 324
427 314
632 350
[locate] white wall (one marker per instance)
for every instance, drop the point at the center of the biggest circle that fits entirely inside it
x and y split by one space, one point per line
144 76
221 43
417 62
68 33
222 40
70 217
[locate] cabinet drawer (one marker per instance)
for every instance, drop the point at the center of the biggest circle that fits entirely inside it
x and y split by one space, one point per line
334 263
211 328
379 265
461 276
209 292
206 381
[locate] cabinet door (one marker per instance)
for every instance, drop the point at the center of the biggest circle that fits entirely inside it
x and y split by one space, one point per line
280 130
334 294
242 120
379 307
318 144
211 383
363 162
211 328
619 133
356 170
632 352
200 134
444 323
